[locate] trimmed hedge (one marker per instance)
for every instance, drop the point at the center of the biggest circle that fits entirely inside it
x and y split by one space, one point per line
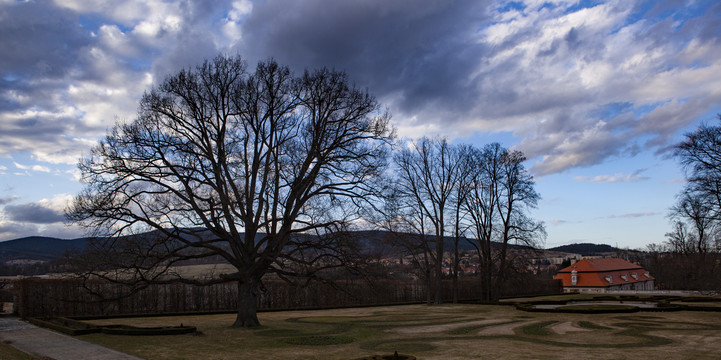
580 309
65 326
146 331
75 327
43 298
395 356
597 309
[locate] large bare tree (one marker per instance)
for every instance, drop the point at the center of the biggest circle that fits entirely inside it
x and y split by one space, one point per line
223 162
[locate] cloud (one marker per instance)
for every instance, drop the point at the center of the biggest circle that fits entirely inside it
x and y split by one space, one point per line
41 218
418 57
70 69
615 178
632 215
7 199
45 211
552 75
33 213
578 83
14 230
39 168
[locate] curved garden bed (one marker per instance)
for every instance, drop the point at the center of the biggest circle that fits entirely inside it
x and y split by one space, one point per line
602 305
146 331
394 356
75 327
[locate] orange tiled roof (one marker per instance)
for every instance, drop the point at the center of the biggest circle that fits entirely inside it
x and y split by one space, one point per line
603 272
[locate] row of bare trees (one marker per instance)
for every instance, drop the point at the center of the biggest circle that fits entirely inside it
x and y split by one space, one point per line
467 194
691 256
264 169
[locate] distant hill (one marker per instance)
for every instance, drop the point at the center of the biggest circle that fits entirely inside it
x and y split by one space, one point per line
585 249
38 248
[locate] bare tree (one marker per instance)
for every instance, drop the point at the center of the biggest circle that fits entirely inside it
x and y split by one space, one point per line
462 189
427 173
517 198
700 156
500 196
225 163
481 206
689 259
692 209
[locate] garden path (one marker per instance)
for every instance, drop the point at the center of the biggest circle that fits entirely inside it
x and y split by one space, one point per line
47 344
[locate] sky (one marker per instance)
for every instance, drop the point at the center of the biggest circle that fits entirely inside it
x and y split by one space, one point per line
595 93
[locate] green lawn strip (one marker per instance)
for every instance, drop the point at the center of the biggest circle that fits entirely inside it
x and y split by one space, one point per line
7 352
592 326
343 324
319 340
420 322
646 341
640 318
473 328
403 345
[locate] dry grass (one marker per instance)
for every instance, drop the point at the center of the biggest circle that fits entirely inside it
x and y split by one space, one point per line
430 332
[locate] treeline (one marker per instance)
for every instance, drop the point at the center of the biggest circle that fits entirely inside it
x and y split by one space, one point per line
480 196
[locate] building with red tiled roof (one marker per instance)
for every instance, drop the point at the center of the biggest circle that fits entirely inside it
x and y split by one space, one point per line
601 275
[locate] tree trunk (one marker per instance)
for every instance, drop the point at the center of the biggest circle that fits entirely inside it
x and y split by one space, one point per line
247 304
455 272
429 286
439 269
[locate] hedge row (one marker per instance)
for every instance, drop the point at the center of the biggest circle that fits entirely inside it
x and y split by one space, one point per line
45 298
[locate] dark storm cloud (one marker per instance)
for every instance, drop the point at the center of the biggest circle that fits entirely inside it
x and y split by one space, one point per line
38 40
33 213
454 67
53 71
421 52
195 42
40 45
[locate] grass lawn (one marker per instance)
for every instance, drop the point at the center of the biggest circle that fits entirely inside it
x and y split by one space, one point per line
8 352
429 332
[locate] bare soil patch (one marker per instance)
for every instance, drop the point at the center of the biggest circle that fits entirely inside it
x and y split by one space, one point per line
567 327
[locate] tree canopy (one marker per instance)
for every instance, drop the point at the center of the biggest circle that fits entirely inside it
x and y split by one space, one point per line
222 161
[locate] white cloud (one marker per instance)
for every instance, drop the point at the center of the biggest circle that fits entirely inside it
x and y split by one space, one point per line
572 64
541 72
632 215
615 178
39 168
